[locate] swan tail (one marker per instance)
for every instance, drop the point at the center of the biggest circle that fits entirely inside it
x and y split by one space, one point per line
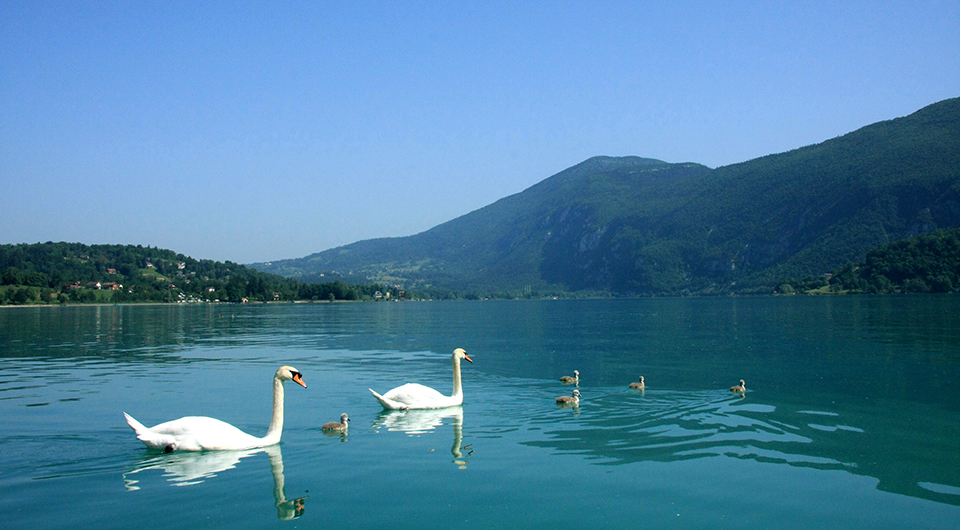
149 438
388 403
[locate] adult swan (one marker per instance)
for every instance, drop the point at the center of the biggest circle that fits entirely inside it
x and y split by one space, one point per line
198 433
415 396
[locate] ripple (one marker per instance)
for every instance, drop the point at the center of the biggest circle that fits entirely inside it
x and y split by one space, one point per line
618 427
833 428
940 488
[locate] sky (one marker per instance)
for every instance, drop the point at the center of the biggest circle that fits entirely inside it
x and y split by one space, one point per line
258 131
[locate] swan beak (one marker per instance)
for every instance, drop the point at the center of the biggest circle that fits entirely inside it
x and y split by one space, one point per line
298 378
467 357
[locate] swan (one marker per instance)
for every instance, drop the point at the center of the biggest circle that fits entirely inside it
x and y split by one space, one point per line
741 388
573 399
416 396
198 433
337 426
639 385
574 379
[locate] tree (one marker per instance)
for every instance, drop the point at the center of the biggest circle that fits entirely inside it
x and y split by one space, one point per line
21 296
236 289
10 276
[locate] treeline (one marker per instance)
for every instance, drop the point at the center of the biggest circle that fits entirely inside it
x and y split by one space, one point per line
77 273
929 263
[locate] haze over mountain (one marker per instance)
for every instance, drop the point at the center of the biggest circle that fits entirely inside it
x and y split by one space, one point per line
642 226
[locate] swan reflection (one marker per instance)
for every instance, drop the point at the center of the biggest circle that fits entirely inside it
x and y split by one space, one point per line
423 421
188 469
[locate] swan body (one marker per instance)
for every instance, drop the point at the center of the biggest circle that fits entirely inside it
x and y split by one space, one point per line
199 433
417 396
573 399
741 388
640 385
337 426
575 379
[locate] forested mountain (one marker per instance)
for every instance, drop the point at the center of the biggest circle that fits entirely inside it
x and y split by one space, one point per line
929 263
641 226
73 272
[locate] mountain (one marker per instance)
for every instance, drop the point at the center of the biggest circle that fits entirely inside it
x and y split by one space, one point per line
646 227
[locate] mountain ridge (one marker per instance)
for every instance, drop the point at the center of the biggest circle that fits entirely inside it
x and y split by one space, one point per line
633 225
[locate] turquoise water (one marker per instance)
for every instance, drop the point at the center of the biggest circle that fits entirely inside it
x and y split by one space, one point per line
851 417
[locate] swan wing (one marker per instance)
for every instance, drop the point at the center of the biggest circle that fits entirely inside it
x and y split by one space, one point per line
388 404
412 392
200 433
153 440
194 433
417 396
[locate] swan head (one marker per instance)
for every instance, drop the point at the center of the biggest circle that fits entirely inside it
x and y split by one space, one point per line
460 353
576 394
289 373
641 378
344 419
576 373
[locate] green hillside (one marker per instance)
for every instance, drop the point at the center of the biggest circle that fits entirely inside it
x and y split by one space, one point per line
928 263
641 226
51 273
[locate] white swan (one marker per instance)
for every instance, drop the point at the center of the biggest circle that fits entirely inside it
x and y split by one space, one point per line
416 396
198 433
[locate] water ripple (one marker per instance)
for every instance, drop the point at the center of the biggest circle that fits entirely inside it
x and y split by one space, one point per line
618 427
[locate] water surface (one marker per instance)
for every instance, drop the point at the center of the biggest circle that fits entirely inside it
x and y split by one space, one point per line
850 418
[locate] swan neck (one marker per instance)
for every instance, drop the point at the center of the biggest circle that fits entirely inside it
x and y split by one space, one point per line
276 420
457 388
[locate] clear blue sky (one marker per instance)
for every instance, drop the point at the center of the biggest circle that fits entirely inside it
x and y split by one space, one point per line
259 131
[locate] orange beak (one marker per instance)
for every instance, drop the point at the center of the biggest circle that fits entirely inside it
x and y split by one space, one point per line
467 357
298 378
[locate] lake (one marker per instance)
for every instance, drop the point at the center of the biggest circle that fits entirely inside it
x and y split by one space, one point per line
850 419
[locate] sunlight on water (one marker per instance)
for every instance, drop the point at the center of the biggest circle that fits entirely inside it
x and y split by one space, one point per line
849 417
